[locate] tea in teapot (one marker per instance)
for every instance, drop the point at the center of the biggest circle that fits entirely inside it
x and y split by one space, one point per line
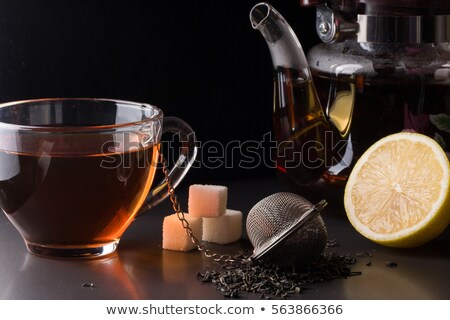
383 68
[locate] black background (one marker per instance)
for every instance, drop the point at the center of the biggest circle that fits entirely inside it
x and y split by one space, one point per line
199 60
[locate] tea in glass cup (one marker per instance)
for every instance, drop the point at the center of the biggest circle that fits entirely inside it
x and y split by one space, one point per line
74 173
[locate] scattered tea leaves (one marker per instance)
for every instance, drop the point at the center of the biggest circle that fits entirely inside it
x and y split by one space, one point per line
391 264
88 285
270 281
363 254
332 243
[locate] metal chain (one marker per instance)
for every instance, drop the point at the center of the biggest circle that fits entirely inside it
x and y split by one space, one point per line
181 216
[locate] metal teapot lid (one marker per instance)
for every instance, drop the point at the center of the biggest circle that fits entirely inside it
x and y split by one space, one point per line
382 21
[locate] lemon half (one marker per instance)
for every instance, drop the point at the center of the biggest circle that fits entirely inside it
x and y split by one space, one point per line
398 192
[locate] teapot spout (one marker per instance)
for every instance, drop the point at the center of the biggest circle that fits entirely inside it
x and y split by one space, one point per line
285 49
303 135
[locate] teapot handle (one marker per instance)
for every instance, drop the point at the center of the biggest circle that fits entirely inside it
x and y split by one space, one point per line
188 152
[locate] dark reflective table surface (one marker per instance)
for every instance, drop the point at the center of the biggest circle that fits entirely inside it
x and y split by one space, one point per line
140 269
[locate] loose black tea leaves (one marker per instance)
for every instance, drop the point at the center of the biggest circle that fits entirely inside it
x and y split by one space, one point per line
364 254
270 281
332 243
391 264
88 285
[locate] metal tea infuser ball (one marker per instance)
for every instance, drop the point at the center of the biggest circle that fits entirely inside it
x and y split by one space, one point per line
287 230
284 228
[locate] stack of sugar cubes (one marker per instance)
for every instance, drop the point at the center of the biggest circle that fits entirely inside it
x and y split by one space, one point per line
208 217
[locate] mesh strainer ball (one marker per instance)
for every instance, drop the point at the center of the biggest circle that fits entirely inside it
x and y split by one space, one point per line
286 229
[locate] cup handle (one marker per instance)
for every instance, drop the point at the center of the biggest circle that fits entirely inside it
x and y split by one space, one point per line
188 152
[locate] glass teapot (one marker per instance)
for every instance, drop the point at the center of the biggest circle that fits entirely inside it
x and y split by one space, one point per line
383 67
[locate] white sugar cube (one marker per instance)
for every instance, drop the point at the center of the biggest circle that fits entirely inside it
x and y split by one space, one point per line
207 200
225 229
174 235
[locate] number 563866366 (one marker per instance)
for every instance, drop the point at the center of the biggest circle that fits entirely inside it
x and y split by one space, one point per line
307 309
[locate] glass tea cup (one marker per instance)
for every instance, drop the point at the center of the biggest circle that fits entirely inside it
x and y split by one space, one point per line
74 173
